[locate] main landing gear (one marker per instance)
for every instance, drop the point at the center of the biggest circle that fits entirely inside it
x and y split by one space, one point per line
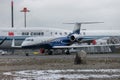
50 52
67 52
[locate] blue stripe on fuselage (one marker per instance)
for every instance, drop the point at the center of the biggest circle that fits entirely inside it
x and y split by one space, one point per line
13 37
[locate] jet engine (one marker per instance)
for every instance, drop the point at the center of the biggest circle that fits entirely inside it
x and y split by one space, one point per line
74 37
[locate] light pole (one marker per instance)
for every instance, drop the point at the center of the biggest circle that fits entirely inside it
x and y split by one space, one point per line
12 15
25 10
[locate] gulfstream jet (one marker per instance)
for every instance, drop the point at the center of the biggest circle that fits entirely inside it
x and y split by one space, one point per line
64 41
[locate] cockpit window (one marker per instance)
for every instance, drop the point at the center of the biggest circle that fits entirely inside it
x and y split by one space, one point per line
29 40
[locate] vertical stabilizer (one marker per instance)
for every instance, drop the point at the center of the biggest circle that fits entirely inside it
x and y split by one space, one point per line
77 28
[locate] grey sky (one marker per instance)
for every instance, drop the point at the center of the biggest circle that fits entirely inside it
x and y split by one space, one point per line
53 13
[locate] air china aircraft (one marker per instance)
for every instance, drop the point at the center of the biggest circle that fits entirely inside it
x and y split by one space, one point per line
52 42
20 34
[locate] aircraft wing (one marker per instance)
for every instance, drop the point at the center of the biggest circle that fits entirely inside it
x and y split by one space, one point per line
80 46
91 38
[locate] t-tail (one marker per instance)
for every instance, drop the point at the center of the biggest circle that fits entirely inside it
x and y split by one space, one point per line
77 26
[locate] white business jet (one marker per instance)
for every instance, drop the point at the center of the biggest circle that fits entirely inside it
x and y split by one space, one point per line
62 42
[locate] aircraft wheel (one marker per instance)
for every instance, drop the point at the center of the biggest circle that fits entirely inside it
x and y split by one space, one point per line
67 52
50 52
27 54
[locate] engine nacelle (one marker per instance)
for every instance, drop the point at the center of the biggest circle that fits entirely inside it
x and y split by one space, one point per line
74 37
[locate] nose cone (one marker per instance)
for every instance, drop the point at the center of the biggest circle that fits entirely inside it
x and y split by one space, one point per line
30 43
25 43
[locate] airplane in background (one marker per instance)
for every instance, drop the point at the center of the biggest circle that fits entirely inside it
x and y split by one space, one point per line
19 35
50 43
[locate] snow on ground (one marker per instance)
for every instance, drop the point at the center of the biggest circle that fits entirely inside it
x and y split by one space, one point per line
67 74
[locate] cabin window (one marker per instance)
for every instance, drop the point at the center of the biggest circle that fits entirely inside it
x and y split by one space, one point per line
42 33
65 33
51 33
84 33
56 33
60 33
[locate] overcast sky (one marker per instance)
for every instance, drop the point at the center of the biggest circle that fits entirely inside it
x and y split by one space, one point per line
53 13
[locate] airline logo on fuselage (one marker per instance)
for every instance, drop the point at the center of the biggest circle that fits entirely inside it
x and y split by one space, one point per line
10 33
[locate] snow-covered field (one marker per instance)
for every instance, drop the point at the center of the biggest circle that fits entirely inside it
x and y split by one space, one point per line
69 74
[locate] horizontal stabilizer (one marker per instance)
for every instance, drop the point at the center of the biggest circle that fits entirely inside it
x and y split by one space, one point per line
78 26
83 23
